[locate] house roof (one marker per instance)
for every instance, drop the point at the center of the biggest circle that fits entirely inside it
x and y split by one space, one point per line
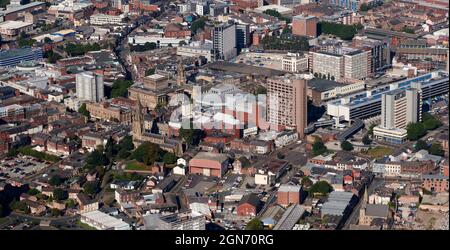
377 210
251 199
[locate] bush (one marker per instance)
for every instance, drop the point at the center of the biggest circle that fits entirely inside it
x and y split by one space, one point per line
254 224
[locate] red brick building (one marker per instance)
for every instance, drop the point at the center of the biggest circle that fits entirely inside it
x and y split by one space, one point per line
176 31
289 194
250 205
304 25
444 168
435 183
248 4
209 164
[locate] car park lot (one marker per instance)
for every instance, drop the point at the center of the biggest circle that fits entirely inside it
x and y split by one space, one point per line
20 166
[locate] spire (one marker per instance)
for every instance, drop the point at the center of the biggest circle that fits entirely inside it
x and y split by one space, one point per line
366 196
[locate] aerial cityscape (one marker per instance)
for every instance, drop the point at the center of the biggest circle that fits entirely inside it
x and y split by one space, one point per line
224 115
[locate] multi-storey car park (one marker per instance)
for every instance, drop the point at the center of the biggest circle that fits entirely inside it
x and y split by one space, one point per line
366 104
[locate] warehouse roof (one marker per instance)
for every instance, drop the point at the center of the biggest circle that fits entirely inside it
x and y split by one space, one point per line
107 220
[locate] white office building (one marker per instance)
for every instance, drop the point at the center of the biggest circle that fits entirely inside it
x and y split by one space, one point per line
294 62
102 19
224 41
89 86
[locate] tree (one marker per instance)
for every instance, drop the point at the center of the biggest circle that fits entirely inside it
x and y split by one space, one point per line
56 180
347 146
55 212
345 32
415 131
370 131
254 224
366 140
436 149
47 40
319 148
95 158
76 49
126 143
363 7
421 144
90 187
191 136
150 71
430 122
120 88
33 191
25 41
19 206
407 29
59 194
169 158
260 90
286 30
3 3
321 187
1 210
83 110
70 203
147 153
306 182
145 47
110 149
198 24
51 56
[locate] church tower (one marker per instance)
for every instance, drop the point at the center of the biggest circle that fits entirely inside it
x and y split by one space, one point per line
181 78
138 121
362 210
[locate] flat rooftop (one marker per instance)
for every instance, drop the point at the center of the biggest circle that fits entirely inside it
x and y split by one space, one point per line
323 85
14 24
245 69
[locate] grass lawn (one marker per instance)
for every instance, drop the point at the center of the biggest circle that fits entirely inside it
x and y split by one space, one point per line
134 165
85 226
378 152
